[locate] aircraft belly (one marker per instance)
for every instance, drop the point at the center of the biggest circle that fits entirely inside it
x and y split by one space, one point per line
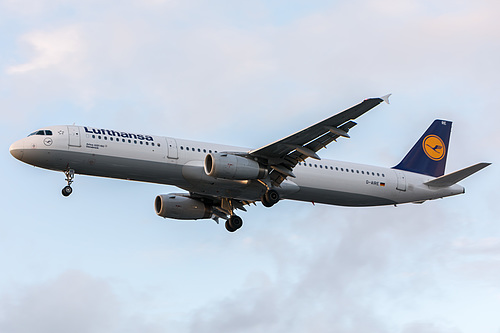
107 166
336 197
46 158
353 189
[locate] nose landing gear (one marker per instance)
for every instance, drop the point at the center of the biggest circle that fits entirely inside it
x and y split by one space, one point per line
70 175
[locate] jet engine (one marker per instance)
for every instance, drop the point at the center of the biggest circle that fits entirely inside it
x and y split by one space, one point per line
179 207
229 166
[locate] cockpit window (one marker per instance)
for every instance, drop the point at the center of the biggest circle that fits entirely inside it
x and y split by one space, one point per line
41 132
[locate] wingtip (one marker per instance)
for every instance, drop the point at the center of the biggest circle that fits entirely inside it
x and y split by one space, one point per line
385 98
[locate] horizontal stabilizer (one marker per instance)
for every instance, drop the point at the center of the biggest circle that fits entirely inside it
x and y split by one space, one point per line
455 177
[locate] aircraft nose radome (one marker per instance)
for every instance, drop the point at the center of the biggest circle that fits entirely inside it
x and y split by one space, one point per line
17 150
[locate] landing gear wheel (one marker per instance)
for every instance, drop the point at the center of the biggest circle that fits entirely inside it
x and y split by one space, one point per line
234 223
270 198
67 190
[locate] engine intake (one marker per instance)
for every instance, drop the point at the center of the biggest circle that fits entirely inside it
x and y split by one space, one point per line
179 207
229 166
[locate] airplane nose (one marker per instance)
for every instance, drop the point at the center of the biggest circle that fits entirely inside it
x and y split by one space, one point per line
17 150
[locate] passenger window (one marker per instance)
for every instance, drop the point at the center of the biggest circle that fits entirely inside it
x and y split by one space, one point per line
204 150
341 169
378 175
310 165
315 165
320 166
352 170
187 148
337 168
158 144
147 143
105 138
199 150
99 137
210 151
123 140
129 141
357 171
362 172
383 175
373 173
135 141
93 136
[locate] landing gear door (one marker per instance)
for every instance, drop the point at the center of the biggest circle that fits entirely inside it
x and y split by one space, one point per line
401 185
172 149
74 136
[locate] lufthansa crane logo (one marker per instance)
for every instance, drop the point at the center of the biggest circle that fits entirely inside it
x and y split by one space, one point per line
434 147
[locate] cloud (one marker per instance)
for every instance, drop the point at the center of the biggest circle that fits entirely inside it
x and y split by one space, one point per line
489 245
347 274
163 61
60 49
428 327
72 302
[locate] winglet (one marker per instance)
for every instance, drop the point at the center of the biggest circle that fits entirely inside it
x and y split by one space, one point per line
385 98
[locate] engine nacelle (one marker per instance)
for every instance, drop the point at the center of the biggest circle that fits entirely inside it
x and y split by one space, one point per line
179 207
229 166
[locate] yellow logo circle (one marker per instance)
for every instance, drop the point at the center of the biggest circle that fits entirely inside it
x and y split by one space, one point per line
434 147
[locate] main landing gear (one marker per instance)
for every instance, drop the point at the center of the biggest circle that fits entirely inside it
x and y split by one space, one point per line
270 198
234 223
70 175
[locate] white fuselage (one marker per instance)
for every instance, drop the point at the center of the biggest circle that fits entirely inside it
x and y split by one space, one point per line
179 162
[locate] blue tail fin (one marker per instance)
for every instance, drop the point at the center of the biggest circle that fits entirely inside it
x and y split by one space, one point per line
428 155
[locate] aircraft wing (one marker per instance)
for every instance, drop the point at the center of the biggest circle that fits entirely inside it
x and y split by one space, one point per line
284 154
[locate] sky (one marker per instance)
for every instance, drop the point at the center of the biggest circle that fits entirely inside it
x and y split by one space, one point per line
249 73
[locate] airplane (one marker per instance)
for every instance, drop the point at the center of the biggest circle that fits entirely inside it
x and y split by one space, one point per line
220 179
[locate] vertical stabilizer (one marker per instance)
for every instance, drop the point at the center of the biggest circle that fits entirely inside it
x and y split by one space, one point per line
428 155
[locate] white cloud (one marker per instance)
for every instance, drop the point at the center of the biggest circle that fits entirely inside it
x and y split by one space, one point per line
59 49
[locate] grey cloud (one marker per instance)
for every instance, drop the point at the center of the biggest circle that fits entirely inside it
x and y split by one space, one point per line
350 273
429 327
72 302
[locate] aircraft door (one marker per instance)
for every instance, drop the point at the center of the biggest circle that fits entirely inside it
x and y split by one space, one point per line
172 148
74 136
401 185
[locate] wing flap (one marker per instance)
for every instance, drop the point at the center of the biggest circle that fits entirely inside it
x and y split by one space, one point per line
455 177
